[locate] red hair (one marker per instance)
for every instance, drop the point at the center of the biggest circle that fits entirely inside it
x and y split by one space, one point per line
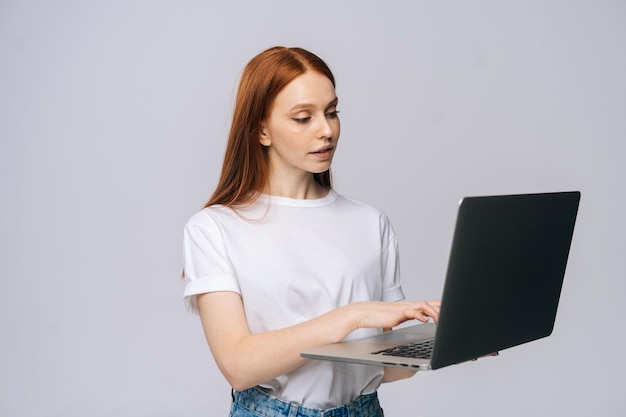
245 171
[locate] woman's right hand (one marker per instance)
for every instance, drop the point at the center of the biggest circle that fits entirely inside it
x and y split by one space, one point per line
375 314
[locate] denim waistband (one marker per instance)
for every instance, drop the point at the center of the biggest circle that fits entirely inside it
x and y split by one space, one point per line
259 402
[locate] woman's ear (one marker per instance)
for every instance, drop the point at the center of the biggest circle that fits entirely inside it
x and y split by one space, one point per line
264 136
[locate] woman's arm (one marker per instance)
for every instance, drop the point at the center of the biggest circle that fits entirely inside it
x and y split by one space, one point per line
248 359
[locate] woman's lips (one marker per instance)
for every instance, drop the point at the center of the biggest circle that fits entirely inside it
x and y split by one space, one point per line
323 153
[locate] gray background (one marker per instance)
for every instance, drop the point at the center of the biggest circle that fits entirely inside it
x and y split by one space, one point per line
113 118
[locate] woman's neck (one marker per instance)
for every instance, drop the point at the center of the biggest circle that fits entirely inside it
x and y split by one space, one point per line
306 189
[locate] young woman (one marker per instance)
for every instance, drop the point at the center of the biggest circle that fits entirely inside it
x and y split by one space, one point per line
278 262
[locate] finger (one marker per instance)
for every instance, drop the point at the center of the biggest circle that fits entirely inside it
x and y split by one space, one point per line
436 304
431 312
488 355
415 311
423 316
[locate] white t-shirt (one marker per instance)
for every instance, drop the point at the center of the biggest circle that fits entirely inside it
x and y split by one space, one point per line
291 261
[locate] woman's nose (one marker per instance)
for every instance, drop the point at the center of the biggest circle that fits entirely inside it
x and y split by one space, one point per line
325 129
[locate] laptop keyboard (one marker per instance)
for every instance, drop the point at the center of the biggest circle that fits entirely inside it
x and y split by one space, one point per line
420 350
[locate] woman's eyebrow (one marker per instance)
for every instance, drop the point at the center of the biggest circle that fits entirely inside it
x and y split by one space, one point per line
333 103
300 106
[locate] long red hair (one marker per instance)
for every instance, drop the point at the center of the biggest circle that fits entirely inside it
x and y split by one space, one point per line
245 170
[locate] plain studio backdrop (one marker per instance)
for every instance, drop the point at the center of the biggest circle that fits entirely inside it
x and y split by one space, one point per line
113 121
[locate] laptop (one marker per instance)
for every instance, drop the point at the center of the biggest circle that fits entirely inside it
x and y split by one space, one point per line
502 288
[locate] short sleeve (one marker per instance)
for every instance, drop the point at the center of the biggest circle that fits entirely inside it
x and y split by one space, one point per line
390 262
206 264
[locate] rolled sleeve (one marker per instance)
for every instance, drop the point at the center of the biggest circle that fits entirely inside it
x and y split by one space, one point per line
206 263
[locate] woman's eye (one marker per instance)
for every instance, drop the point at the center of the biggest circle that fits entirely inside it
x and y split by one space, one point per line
301 119
332 114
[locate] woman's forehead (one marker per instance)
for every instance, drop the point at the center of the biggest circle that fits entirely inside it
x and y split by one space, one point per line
309 90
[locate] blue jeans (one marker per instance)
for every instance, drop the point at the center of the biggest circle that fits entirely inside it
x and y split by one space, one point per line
255 403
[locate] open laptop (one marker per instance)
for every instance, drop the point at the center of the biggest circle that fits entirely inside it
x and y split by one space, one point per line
502 288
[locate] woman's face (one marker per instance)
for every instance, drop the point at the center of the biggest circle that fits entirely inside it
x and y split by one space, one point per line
302 128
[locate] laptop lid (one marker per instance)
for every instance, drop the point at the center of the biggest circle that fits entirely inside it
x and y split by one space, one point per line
506 270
